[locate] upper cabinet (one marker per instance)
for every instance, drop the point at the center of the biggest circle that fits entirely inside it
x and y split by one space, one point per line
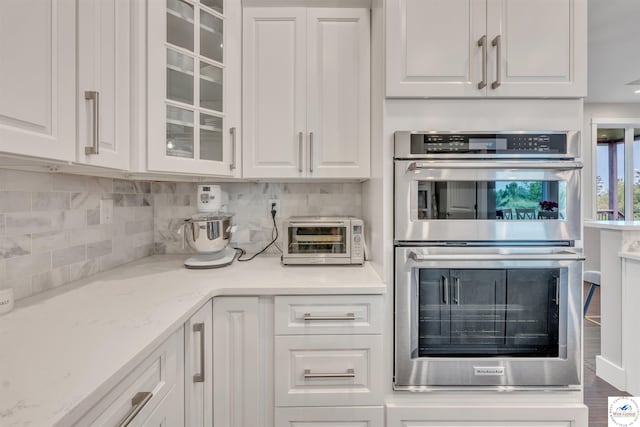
193 86
306 105
104 74
38 78
486 48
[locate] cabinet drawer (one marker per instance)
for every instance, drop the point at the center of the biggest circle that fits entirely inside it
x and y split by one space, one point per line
330 417
340 370
336 315
158 375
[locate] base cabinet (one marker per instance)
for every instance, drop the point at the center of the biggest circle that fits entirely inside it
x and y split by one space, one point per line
576 415
330 417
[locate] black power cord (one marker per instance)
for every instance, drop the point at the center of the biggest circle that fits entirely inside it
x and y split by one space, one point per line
275 227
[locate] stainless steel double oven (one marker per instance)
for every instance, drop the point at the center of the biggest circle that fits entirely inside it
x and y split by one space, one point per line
487 276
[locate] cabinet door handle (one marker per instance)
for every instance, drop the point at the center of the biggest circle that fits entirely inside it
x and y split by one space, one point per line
483 43
300 142
445 290
308 375
232 131
496 42
310 152
199 377
348 316
137 403
93 95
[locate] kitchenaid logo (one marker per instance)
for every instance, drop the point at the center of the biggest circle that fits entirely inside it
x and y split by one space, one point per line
4 301
489 370
624 411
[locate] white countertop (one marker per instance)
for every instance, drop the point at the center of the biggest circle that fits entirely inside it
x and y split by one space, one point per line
614 225
60 352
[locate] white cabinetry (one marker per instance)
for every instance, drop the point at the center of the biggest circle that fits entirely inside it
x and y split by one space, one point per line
104 73
306 106
198 361
38 78
151 395
328 353
242 362
496 48
193 87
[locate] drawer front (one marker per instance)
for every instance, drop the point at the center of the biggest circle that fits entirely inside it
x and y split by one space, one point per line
138 395
332 315
330 417
340 370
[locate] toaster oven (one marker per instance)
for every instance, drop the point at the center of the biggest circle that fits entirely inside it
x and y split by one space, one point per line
323 240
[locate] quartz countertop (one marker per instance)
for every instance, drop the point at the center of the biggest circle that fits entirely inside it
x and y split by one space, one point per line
614 225
61 351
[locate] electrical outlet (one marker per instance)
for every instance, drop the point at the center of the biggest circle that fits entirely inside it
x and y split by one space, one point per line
106 211
271 204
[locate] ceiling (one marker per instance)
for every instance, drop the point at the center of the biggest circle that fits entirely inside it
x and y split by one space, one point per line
614 50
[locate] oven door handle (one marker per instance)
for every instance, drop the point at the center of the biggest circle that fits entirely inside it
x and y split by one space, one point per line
495 257
497 164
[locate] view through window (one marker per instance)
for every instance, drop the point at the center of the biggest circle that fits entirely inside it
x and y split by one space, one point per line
618 173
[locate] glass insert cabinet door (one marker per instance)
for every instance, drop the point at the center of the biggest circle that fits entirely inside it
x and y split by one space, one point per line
193 86
488 312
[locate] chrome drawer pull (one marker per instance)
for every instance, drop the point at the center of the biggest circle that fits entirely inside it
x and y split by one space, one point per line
137 403
199 377
309 376
349 316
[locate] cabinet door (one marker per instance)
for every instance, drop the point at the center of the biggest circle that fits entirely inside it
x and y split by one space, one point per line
198 338
243 362
477 307
274 92
103 82
338 109
194 87
541 50
38 78
432 48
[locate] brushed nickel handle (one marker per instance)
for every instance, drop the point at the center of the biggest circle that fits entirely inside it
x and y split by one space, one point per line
93 95
310 152
137 403
483 43
348 316
300 142
199 377
496 43
456 291
232 131
445 290
308 375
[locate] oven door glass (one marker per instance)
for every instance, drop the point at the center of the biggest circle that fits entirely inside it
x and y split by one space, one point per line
445 201
488 312
323 239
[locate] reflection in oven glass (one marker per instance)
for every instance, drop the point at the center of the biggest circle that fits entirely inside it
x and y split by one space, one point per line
317 240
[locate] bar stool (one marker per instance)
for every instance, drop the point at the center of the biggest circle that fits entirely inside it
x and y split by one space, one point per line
593 278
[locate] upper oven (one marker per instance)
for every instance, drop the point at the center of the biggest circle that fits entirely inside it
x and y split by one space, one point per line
487 187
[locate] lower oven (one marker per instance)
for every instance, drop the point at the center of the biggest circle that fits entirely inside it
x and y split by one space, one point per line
487 316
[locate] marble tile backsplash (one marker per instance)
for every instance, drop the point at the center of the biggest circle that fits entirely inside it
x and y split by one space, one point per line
50 231
248 202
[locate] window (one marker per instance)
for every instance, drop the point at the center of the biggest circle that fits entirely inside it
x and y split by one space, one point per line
617 180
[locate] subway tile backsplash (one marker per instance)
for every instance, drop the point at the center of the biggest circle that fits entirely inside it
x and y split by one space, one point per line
50 231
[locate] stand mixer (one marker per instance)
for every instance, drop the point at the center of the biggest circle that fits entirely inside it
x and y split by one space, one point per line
209 231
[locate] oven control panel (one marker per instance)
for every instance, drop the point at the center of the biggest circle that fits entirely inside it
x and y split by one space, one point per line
485 143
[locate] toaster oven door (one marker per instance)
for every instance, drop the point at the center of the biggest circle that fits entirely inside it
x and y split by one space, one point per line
318 240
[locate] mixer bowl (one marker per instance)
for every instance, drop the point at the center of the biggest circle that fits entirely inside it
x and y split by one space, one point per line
208 233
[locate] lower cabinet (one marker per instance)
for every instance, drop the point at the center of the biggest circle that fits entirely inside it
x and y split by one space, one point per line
152 394
575 415
198 368
243 362
330 417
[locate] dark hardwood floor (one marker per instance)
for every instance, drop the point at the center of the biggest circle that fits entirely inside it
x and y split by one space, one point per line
596 390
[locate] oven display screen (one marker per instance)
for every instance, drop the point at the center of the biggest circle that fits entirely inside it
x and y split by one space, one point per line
493 144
